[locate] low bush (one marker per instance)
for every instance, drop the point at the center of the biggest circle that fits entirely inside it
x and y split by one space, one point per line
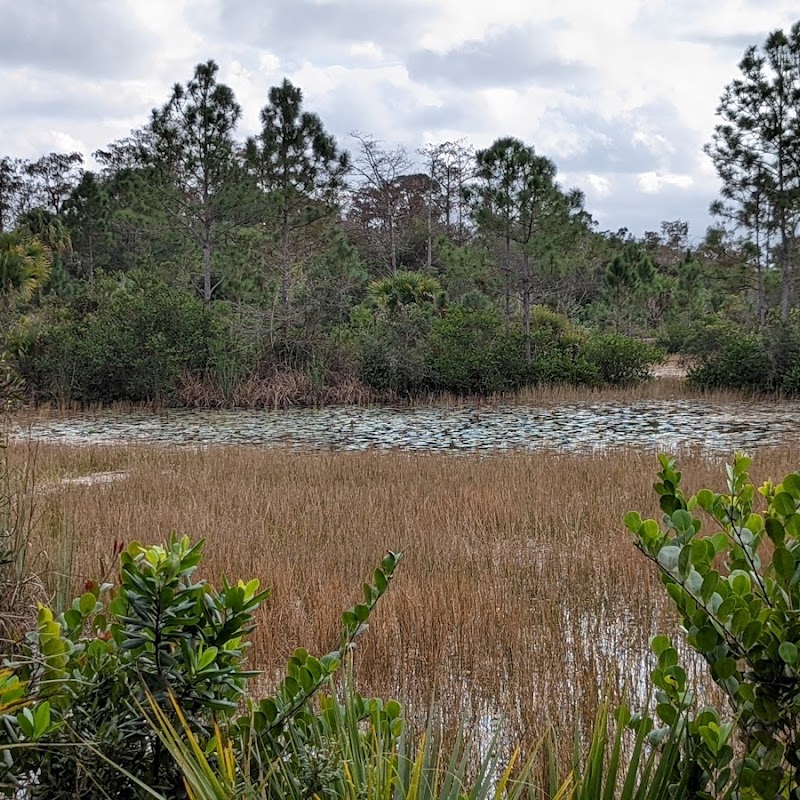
619 360
128 339
763 361
74 720
469 353
393 350
736 588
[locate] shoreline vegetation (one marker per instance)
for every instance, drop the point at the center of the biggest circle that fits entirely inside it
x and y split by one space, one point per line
285 269
671 385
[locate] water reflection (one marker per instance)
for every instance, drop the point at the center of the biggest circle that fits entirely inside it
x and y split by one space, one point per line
579 426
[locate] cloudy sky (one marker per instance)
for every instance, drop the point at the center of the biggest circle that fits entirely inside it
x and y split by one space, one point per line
621 94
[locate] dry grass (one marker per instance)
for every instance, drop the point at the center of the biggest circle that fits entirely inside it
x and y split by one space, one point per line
282 389
520 591
296 389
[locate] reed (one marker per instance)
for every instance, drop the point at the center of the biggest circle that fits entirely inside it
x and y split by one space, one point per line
521 595
291 388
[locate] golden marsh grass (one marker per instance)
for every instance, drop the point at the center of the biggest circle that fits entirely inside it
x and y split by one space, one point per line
520 593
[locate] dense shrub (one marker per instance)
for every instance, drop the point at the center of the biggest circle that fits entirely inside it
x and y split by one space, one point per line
620 360
469 353
738 363
765 361
134 338
392 350
127 339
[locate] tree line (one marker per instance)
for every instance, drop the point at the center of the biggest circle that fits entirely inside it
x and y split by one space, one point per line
286 253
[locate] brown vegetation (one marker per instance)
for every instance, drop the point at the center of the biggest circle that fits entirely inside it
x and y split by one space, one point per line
520 592
287 389
283 389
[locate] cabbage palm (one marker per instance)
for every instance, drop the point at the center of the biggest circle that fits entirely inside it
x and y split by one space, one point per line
25 265
48 228
404 288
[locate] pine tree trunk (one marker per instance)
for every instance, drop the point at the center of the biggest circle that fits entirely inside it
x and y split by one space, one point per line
430 237
762 295
786 268
392 245
285 273
507 280
207 264
526 308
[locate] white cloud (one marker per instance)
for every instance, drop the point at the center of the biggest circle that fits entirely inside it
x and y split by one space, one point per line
367 51
600 185
654 182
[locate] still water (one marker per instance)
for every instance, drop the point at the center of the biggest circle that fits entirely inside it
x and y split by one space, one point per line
577 426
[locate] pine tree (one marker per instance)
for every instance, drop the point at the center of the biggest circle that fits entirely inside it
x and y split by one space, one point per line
298 164
191 148
756 149
518 203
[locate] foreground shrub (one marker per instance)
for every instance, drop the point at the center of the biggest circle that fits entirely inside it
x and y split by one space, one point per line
365 750
155 634
738 591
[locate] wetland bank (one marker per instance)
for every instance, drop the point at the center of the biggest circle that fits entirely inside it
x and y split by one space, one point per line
521 595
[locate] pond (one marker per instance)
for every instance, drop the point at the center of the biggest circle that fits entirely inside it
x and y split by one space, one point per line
575 426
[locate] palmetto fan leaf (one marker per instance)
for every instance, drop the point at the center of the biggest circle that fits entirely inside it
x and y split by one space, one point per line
403 289
25 265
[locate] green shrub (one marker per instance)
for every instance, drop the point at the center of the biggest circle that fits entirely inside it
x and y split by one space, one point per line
737 589
392 351
235 347
619 360
765 361
155 635
127 339
470 353
727 358
567 366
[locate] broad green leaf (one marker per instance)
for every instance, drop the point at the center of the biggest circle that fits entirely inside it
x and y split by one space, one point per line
633 521
707 639
705 499
724 668
658 644
739 581
788 652
784 562
87 603
668 557
791 484
784 504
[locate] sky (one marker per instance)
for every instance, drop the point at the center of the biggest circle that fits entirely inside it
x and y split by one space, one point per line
620 94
